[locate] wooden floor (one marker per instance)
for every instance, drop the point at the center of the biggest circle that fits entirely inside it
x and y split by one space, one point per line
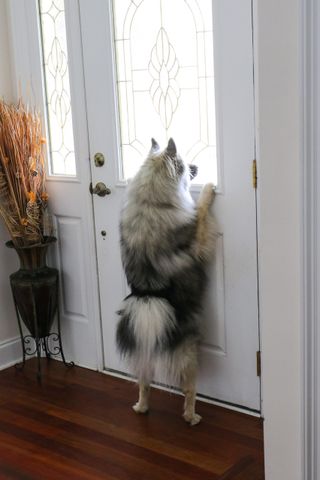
79 425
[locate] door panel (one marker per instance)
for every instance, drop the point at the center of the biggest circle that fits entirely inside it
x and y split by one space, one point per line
69 198
228 351
71 205
214 324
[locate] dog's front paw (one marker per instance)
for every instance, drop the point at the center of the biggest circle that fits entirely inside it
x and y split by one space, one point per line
140 408
193 419
207 196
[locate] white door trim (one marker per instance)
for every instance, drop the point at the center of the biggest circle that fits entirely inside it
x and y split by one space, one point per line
281 215
310 78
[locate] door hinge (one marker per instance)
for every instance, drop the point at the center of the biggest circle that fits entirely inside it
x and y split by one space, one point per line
259 364
254 174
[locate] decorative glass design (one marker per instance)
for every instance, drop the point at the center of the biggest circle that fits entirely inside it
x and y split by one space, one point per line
57 86
165 80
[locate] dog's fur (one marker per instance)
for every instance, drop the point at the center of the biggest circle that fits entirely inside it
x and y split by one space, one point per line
166 245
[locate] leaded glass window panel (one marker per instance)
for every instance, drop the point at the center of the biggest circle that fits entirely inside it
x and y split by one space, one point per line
57 87
165 80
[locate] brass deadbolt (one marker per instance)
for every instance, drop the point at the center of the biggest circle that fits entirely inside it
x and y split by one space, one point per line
99 159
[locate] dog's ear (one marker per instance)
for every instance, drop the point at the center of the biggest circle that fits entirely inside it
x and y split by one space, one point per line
171 148
193 169
154 145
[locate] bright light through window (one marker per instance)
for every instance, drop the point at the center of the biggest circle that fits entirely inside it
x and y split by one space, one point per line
165 80
57 87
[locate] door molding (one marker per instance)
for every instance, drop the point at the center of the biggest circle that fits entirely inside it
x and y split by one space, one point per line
310 173
283 231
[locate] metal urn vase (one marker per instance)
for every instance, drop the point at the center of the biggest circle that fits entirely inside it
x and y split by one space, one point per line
35 289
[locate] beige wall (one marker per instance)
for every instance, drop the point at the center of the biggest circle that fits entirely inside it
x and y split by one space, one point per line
6 90
8 261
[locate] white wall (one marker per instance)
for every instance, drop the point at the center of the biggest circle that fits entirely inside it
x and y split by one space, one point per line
9 347
280 195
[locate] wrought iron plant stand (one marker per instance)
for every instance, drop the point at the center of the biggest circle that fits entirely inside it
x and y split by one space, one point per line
35 289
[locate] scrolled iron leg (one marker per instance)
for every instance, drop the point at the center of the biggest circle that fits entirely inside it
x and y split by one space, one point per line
53 340
19 366
46 348
36 330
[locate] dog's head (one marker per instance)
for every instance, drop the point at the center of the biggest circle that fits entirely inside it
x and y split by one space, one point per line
170 163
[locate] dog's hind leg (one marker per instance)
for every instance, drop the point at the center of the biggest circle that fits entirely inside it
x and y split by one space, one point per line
142 405
188 385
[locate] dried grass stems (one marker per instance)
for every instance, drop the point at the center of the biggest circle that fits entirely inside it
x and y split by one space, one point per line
23 196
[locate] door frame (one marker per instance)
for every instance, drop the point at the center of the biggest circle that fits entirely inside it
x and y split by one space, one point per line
300 16
286 67
310 148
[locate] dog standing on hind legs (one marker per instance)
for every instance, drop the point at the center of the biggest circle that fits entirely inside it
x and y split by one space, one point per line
167 243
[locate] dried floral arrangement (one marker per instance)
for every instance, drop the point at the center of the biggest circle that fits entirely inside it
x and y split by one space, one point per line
23 196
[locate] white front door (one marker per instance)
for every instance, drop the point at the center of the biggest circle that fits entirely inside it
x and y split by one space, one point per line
159 68
183 69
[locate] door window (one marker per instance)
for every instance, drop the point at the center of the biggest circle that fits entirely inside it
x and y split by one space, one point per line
165 80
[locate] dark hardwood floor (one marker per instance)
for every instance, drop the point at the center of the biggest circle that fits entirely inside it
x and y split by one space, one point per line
79 425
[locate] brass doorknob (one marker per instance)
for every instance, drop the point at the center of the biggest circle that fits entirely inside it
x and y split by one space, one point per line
100 189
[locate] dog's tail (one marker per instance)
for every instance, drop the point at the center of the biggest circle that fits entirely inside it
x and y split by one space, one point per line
145 329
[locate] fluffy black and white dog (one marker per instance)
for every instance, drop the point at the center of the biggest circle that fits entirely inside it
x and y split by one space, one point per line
166 245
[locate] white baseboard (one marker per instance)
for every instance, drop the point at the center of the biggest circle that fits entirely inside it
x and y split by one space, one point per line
175 391
10 352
